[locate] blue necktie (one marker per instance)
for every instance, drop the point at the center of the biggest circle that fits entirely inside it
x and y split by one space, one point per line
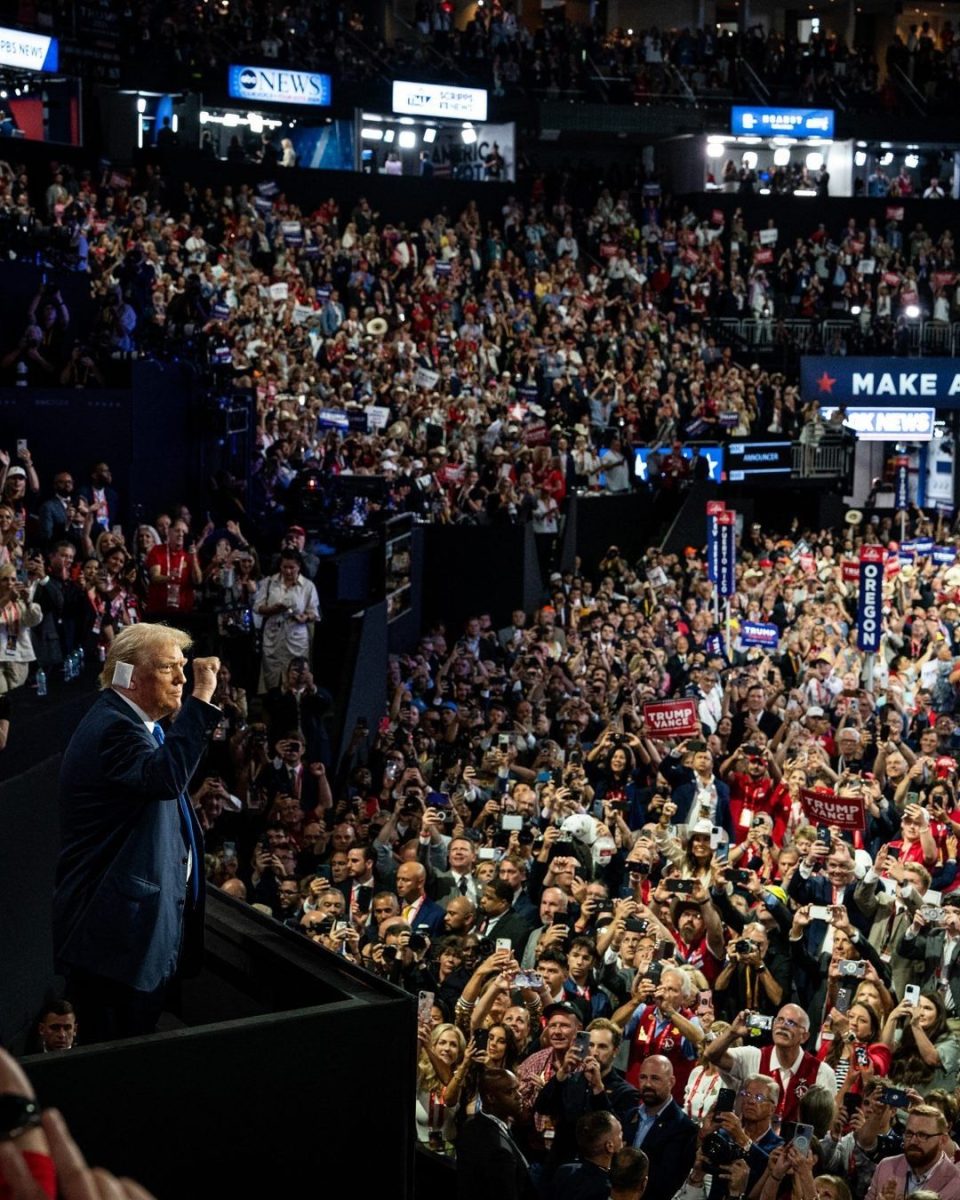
184 806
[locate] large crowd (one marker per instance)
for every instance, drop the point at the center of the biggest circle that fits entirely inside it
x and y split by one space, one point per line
640 953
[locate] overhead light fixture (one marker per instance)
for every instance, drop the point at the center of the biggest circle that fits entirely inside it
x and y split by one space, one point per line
407 139
859 159
781 156
231 120
389 135
749 160
805 192
814 160
469 135
911 161
141 105
371 135
886 159
855 310
255 121
911 312
714 150
429 135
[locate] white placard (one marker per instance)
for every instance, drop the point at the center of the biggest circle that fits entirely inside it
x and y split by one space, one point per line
425 378
867 266
377 417
278 291
768 237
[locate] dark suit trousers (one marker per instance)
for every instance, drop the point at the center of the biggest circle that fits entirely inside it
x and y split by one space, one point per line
108 1010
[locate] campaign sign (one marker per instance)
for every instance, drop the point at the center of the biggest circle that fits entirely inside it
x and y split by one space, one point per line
870 600
727 553
901 482
824 808
333 418
850 570
944 555
671 718
714 508
759 633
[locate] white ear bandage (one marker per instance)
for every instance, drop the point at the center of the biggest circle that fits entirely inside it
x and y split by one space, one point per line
123 674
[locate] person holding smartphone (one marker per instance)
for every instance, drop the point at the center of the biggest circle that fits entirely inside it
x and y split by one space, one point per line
926 1054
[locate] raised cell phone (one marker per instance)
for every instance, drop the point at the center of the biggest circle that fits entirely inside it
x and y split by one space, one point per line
682 887
819 912
895 1097
582 1043
911 994
424 1006
802 1137
504 944
726 1098
511 821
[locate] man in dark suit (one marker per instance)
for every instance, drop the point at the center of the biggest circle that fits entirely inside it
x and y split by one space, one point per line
101 498
128 902
497 918
827 877
661 1129
415 906
488 1161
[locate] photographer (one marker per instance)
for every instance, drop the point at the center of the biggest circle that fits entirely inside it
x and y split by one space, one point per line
656 1021
745 980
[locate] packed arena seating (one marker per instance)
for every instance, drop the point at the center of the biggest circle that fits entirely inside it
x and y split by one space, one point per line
707 974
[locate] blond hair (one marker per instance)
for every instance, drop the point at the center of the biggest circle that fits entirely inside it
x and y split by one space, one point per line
137 644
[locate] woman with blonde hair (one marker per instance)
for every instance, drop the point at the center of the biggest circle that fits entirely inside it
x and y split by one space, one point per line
441 1069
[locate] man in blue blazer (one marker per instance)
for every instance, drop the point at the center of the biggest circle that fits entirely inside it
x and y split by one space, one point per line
128 902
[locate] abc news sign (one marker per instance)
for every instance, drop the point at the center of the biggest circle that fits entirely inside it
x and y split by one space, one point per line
277 86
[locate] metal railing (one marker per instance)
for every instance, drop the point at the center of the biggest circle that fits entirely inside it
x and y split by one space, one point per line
839 335
828 458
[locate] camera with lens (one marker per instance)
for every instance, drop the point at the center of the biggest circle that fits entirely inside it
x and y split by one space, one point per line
720 1150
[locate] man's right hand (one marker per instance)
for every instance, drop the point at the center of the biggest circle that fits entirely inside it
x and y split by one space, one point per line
205 678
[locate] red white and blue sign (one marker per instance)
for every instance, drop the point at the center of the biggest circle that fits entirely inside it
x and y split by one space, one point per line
727 553
714 508
759 633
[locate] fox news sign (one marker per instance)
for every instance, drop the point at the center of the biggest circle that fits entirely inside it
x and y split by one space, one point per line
279 86
782 122
439 100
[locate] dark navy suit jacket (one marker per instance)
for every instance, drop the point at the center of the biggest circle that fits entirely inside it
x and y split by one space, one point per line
120 903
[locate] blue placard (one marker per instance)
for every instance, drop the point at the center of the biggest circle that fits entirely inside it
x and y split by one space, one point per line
923 546
713 538
715 645
757 121
943 555
870 601
333 418
279 85
759 633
